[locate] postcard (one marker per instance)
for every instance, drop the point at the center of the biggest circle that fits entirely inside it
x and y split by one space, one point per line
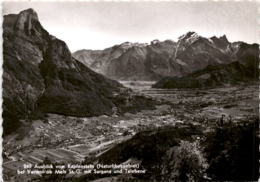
113 91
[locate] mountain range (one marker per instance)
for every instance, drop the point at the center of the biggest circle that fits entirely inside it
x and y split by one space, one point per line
160 59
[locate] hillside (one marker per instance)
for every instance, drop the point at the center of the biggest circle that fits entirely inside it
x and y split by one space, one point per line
41 76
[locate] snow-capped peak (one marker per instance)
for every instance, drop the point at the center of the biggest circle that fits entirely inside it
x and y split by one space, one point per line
189 37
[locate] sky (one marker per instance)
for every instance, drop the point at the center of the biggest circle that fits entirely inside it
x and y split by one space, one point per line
98 25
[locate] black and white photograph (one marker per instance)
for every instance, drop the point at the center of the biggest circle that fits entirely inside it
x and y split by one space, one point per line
130 91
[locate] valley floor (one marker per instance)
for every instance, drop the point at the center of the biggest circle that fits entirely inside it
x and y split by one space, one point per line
66 139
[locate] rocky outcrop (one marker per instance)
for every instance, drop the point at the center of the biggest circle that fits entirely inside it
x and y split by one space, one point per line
41 76
134 61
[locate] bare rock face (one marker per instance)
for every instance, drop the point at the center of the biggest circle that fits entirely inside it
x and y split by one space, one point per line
41 76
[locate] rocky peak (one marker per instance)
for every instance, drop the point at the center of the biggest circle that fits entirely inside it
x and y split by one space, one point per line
223 38
221 42
29 12
189 37
27 22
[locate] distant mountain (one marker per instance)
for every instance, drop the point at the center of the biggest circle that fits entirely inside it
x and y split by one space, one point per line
134 61
41 76
130 61
245 68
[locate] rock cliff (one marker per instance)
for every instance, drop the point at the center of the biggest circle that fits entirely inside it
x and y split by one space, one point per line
41 76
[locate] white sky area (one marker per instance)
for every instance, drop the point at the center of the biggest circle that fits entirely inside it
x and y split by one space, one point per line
98 25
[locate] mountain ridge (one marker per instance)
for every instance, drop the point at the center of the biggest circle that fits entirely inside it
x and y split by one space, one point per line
152 62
